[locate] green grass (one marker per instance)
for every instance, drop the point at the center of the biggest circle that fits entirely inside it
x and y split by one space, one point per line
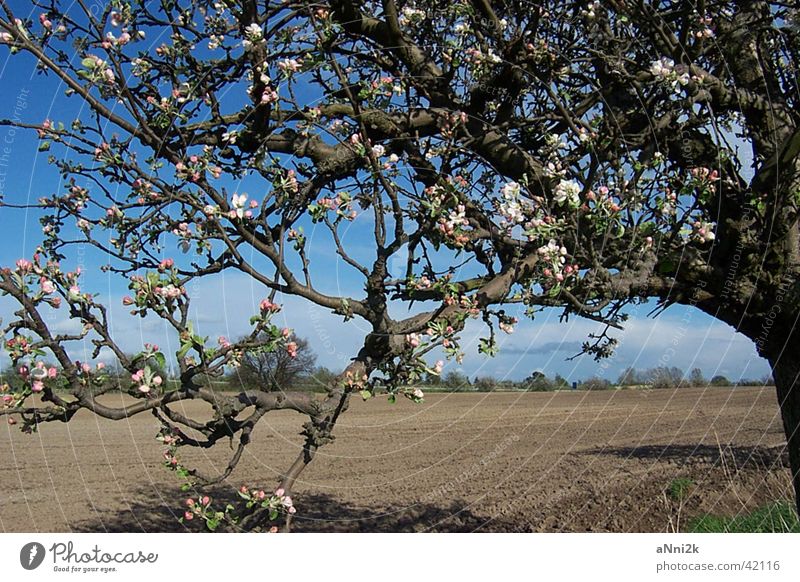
779 517
679 488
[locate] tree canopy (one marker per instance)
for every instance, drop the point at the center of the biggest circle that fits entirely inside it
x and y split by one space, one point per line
584 156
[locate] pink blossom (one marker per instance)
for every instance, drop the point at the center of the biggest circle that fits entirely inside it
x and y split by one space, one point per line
205 500
47 286
37 386
290 65
269 95
286 332
291 349
24 265
188 516
12 421
165 264
157 380
268 306
279 492
169 292
138 376
52 373
189 502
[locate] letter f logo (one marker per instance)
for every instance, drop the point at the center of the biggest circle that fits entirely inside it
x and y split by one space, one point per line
31 555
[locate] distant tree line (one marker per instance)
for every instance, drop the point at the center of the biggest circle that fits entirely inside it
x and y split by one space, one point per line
538 381
275 371
673 377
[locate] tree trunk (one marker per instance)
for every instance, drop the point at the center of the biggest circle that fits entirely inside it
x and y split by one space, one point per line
786 372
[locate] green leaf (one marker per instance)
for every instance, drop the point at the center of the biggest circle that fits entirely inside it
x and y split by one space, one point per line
44 146
365 394
161 360
185 347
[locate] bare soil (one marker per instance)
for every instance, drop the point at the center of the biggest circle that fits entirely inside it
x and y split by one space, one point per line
566 461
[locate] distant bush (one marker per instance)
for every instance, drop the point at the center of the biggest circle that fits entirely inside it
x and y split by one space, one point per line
559 382
485 384
664 377
538 382
630 377
720 381
456 382
595 383
763 381
696 378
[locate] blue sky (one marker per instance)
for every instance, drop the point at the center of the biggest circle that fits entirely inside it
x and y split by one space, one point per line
682 337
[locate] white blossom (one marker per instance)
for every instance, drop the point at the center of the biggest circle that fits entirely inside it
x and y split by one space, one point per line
567 192
662 68
410 16
239 201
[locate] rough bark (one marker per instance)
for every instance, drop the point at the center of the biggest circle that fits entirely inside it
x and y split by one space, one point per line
785 362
